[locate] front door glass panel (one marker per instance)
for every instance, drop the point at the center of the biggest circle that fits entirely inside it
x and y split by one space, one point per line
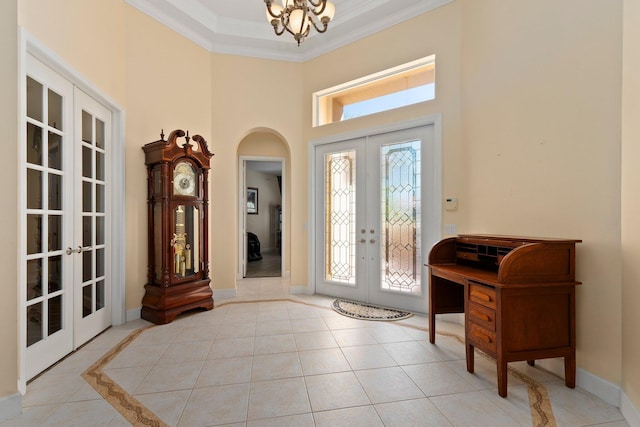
400 213
340 217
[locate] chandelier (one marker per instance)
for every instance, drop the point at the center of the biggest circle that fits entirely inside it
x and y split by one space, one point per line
297 16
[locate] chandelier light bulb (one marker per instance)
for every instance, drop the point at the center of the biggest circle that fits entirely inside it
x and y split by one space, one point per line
298 16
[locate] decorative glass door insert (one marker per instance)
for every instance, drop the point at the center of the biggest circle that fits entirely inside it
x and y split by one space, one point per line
369 234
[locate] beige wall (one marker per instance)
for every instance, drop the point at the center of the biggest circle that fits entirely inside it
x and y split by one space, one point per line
252 96
541 129
8 217
168 82
631 203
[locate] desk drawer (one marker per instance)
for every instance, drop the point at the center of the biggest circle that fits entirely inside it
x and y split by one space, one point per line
483 295
482 338
482 316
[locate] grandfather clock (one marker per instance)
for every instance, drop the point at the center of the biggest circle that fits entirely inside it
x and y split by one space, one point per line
177 196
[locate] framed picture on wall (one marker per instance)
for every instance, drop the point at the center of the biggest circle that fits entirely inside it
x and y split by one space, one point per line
252 200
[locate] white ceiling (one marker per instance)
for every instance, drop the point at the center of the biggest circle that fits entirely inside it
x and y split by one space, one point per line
240 27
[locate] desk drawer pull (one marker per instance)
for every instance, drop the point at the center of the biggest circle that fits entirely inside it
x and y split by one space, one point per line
481 296
480 315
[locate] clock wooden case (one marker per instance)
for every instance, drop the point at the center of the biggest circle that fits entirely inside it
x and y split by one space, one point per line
178 202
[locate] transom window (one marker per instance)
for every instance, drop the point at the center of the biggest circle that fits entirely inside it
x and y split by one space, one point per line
396 87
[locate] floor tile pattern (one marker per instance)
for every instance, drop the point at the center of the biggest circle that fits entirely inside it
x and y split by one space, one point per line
261 359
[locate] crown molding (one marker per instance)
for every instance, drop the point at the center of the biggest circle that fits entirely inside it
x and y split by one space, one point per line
220 34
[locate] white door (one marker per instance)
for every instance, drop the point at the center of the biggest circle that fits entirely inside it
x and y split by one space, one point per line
378 210
92 283
65 215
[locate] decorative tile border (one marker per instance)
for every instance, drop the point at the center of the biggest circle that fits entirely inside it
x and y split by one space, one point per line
138 415
128 406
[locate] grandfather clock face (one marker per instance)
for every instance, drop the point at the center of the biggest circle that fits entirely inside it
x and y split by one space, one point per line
184 180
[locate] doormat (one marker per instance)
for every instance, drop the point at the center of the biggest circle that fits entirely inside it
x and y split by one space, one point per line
359 310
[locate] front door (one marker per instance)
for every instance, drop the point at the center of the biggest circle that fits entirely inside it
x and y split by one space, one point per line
66 286
376 197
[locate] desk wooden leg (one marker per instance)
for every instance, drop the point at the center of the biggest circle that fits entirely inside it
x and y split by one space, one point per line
531 362
502 378
432 326
470 358
570 371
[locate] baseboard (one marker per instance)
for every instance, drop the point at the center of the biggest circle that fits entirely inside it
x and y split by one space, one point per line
10 406
630 412
605 390
133 314
224 294
299 290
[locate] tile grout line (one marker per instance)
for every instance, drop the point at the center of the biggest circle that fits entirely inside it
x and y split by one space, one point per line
136 413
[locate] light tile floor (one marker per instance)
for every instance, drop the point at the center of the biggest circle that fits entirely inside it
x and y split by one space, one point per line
286 363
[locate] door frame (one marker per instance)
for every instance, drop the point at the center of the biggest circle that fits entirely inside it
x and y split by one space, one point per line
433 225
29 45
242 212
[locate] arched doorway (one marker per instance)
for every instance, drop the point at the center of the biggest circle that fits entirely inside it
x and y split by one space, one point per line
263 190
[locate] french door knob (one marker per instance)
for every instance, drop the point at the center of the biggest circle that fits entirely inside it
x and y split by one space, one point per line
79 249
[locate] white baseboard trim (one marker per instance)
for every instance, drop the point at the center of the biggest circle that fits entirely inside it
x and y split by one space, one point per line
224 294
630 412
299 290
133 314
10 406
604 389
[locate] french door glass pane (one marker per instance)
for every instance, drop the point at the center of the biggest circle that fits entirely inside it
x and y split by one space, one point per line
100 133
34 189
87 162
34 323
87 231
100 295
34 144
100 198
87 300
55 273
55 110
34 99
55 314
55 151
87 265
400 209
34 234
87 196
55 232
55 192
34 279
340 217
100 230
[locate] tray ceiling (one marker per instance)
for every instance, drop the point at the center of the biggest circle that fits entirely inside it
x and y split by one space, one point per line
240 27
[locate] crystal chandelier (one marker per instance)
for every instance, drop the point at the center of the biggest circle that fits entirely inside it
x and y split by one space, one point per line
297 16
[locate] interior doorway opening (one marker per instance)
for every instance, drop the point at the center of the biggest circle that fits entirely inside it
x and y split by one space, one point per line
263 218
264 204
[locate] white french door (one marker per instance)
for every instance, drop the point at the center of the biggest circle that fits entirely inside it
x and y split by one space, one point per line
376 210
66 288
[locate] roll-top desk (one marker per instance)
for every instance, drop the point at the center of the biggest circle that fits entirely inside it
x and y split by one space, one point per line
517 294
